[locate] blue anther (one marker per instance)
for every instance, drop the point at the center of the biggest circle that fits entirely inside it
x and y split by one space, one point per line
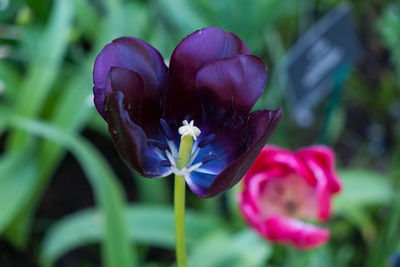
206 140
208 158
158 144
165 163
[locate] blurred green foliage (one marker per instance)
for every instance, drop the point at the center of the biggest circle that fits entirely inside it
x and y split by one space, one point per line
47 50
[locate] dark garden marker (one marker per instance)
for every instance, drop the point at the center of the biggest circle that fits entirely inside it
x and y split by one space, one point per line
193 119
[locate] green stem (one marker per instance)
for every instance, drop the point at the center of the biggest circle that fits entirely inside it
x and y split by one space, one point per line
185 149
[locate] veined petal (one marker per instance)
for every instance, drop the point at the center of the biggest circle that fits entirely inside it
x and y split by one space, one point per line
277 195
192 53
283 160
136 55
228 89
237 169
294 232
239 81
130 84
249 211
322 188
325 158
254 191
131 141
199 182
320 161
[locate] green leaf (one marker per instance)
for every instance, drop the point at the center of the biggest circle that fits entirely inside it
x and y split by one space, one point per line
70 113
117 250
361 220
43 66
181 16
9 81
388 25
316 257
242 249
86 17
152 190
15 173
149 224
363 188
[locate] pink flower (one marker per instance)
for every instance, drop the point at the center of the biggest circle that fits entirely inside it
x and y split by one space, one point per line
284 190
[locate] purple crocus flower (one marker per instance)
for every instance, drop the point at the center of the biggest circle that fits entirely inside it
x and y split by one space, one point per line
213 82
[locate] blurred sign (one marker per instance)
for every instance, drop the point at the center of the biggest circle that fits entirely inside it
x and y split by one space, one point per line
311 65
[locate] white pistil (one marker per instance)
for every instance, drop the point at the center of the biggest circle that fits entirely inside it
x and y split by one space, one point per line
189 129
195 167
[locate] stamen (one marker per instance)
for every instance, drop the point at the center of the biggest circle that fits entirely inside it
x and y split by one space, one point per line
189 129
206 140
208 158
206 171
166 129
194 167
170 158
193 156
165 163
158 144
173 148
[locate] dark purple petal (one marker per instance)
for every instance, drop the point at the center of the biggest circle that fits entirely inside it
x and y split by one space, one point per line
228 89
238 80
131 141
192 53
261 126
263 122
229 126
130 84
138 56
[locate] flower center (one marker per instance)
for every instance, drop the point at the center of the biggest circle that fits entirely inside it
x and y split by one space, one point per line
291 196
169 151
291 206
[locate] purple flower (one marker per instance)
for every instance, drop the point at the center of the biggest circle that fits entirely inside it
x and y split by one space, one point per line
213 80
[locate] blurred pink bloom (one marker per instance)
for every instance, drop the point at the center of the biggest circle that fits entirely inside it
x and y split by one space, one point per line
283 189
